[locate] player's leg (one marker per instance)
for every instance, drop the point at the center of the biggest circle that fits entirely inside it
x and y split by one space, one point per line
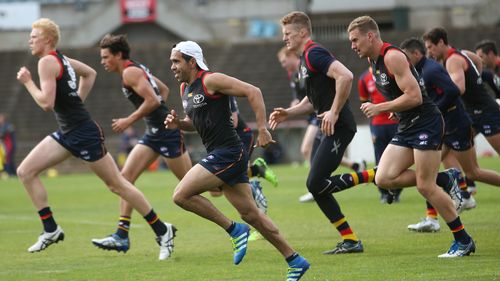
188 192
468 161
240 197
494 141
179 165
380 142
36 162
308 141
393 167
28 172
188 196
107 170
316 140
325 161
426 167
139 158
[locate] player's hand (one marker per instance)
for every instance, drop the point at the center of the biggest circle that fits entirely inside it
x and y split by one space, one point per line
264 138
369 109
393 116
23 75
277 116
119 125
328 120
172 121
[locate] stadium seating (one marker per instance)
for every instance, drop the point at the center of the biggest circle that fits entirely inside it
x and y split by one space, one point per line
255 63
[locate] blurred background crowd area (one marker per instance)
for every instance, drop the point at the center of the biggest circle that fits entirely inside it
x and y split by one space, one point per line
239 38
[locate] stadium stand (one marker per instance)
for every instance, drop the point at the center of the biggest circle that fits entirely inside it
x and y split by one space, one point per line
253 62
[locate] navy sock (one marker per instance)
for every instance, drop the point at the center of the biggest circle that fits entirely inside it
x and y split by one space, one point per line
458 230
442 180
292 257
355 167
49 224
123 227
156 224
231 227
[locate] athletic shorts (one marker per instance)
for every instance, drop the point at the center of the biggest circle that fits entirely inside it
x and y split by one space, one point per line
247 141
486 123
426 134
85 142
229 164
459 138
167 143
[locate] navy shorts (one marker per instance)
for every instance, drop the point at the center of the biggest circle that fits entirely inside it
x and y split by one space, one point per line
486 123
167 143
426 134
247 141
459 138
85 142
228 163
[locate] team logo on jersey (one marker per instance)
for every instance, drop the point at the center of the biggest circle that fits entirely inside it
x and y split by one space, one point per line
72 84
383 79
421 82
154 130
126 92
199 98
199 101
303 72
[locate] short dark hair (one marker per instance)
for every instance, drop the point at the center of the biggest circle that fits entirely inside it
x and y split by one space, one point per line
413 44
436 34
116 44
487 46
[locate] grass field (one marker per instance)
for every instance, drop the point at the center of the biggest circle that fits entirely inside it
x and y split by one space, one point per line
86 210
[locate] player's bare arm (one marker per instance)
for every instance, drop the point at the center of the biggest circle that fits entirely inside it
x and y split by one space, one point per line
48 70
87 77
397 64
456 65
218 82
343 84
134 78
164 90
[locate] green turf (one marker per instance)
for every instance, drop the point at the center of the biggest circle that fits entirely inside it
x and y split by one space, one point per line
86 210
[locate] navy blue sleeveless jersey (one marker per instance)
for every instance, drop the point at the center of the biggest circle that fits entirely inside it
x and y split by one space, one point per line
154 120
492 81
443 91
210 114
68 108
242 126
320 89
387 86
475 97
298 86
